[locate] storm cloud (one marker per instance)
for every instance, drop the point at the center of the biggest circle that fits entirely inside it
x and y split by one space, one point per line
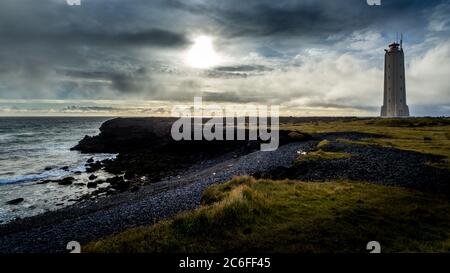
301 54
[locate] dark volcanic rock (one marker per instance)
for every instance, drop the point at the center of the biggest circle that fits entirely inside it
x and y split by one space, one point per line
128 175
118 183
92 177
146 148
90 160
44 182
15 201
92 185
120 135
93 167
114 180
65 181
133 134
122 186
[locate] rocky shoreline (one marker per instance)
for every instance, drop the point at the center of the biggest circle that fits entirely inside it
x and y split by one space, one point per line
148 154
156 178
95 218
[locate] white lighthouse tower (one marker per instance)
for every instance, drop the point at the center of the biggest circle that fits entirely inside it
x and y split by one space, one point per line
394 103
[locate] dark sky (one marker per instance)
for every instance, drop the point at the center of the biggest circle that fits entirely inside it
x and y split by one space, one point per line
312 57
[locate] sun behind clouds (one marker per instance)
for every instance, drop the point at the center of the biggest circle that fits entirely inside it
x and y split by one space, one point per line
202 53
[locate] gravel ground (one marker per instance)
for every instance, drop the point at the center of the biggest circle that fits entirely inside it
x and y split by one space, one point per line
95 219
371 163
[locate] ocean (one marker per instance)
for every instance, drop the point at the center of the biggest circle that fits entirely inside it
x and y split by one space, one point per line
33 149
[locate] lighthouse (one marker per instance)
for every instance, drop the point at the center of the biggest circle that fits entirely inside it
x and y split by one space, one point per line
394 102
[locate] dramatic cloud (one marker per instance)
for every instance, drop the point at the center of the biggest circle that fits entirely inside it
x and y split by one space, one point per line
321 57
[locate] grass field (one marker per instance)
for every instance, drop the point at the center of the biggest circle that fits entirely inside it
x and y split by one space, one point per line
423 135
247 215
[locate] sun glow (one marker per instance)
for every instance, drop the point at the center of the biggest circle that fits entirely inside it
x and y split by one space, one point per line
202 54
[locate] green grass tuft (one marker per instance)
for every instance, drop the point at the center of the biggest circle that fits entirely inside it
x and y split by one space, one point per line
321 155
323 144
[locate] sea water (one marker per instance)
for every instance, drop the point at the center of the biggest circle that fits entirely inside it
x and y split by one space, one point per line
33 149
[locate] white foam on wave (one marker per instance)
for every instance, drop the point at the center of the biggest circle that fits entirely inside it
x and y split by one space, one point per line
34 177
56 172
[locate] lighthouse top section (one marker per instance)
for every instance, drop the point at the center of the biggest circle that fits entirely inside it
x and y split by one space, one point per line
394 47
